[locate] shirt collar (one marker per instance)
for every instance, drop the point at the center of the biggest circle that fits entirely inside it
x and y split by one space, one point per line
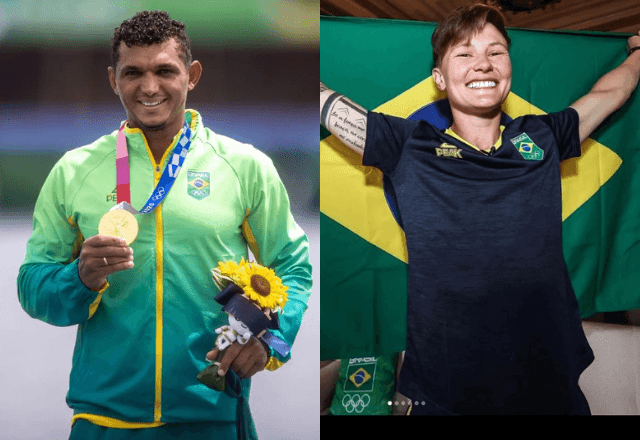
497 145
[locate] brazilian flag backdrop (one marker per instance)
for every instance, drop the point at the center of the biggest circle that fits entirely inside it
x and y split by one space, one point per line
385 65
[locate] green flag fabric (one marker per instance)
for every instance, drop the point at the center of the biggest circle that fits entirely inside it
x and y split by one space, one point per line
385 65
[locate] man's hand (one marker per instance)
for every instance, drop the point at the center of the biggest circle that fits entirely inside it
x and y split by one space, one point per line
246 360
101 256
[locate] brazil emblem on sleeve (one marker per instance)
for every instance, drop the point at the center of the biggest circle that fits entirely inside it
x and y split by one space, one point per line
527 148
198 184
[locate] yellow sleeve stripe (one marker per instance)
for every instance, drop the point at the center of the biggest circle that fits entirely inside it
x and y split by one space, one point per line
94 305
109 422
77 244
250 238
273 364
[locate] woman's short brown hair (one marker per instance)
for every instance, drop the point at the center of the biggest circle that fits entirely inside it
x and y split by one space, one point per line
461 25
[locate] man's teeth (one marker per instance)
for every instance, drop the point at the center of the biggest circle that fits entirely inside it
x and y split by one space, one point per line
480 84
150 104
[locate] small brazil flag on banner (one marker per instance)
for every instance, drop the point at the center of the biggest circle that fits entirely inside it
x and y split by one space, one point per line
385 65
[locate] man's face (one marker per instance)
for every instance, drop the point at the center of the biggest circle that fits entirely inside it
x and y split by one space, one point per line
152 82
476 74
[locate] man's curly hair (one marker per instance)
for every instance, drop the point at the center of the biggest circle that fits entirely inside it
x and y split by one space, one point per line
147 28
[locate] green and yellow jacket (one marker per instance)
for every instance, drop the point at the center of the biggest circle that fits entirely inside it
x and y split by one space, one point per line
143 338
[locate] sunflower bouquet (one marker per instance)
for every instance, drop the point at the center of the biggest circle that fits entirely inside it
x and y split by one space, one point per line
260 284
253 297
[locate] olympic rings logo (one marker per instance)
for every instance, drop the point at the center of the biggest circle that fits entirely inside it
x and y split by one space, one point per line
159 194
355 402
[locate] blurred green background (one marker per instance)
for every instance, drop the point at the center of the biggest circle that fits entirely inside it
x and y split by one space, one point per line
260 61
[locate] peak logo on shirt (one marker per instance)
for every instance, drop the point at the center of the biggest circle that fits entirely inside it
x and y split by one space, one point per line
198 184
448 150
113 197
527 148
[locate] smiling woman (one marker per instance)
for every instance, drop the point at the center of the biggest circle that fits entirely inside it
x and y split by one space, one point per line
477 78
472 64
492 321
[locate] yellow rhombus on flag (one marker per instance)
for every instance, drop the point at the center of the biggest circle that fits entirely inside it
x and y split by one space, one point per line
348 188
381 64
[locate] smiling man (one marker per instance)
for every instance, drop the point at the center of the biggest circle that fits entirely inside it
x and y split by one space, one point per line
152 82
493 322
147 329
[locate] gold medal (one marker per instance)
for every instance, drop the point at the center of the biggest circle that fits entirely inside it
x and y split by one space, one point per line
119 223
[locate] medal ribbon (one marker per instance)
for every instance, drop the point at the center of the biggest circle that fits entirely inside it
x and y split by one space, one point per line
123 190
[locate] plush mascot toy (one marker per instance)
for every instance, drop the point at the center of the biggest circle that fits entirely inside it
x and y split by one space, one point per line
253 297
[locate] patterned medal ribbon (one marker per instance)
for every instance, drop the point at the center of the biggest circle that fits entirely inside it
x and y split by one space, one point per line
123 190
119 220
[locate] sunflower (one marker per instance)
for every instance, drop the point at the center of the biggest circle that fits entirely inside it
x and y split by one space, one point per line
232 269
262 286
228 272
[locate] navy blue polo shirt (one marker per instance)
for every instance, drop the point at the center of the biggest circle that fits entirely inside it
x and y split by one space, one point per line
493 322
